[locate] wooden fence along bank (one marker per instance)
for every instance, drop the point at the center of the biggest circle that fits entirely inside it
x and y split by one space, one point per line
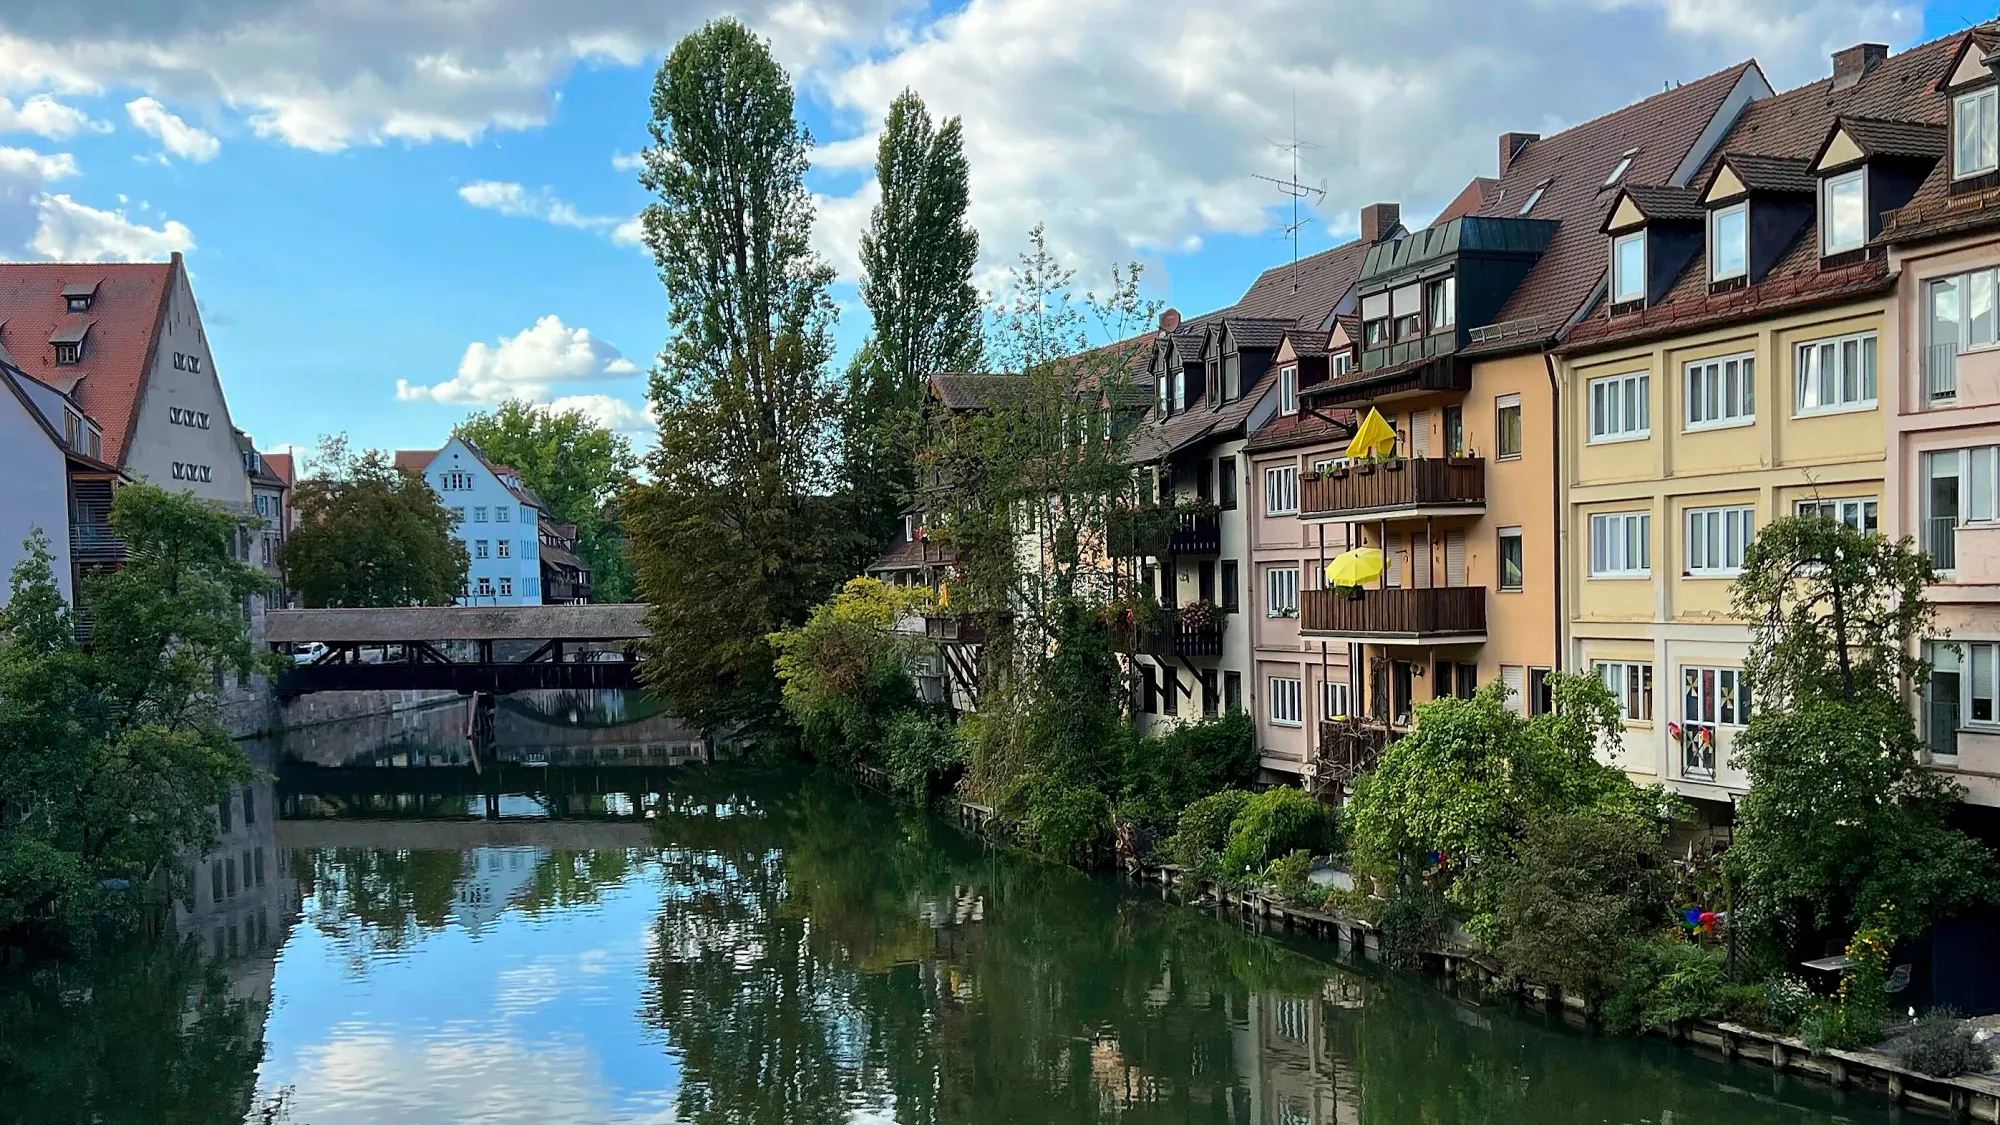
1966 1098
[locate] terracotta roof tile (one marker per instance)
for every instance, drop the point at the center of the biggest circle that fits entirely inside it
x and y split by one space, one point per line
415 460
124 319
1288 431
1791 127
1666 203
965 391
281 464
1477 194
1789 175
900 554
1575 164
1878 136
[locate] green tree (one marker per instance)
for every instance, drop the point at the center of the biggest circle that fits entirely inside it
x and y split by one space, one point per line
1583 888
576 464
917 257
845 670
1843 818
736 536
112 757
1459 794
371 534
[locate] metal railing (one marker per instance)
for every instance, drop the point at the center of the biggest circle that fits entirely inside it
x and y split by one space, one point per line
1941 370
1942 541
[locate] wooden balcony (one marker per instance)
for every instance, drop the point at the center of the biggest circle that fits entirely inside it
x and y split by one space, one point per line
1414 487
1174 638
1196 533
950 627
95 544
1434 615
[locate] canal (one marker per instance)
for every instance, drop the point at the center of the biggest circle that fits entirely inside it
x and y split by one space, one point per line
593 923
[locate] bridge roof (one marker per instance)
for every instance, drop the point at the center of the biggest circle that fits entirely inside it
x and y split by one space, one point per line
619 622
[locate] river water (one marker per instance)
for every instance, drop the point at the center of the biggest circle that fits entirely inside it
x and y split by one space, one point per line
594 924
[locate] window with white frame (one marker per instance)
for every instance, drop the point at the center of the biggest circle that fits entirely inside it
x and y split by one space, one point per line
1836 374
1281 591
1712 700
1975 133
1628 267
506 587
1621 544
1534 197
1717 539
1342 364
1843 212
1963 314
1631 684
478 515
1287 701
1621 408
1618 169
1721 392
485 588
1288 389
1336 699
1729 242
1857 512
479 549
1962 684
501 513
1513 559
1281 491
505 547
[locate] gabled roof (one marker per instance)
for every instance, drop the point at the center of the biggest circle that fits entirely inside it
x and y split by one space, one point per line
966 391
1661 204
900 554
1257 332
123 321
1881 137
1785 131
1475 195
1663 129
1780 175
281 465
1289 431
415 460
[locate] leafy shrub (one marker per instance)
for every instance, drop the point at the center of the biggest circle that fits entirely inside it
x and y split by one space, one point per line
1581 893
921 752
1666 980
1160 776
1276 822
1854 1017
1068 823
1291 876
1940 1046
1204 827
1746 1004
1789 1000
1414 922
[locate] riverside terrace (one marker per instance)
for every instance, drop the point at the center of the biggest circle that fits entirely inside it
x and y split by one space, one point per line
465 649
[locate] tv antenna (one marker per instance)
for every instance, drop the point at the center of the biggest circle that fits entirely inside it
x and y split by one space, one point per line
1294 189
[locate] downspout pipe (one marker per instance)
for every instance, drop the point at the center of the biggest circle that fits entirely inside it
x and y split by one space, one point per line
1556 501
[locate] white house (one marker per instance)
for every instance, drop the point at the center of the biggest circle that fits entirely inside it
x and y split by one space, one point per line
56 482
499 521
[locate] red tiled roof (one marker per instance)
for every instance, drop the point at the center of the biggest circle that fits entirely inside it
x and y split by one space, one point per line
281 465
1291 430
415 460
1476 195
1790 127
123 322
1575 163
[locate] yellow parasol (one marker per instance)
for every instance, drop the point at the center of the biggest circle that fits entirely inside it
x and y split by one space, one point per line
1375 438
944 596
1358 567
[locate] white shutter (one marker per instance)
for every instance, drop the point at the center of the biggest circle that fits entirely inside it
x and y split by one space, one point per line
1392 549
1516 679
1420 434
1454 558
1420 560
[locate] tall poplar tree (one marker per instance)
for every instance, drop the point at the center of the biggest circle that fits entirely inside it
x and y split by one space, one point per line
916 257
730 540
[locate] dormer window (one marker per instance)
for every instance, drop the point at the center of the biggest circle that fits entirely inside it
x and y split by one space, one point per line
1166 396
1975 133
1843 213
1212 384
1729 242
1180 387
1441 303
79 304
1628 267
1618 170
1407 307
1534 197
69 355
909 528
1342 364
1288 389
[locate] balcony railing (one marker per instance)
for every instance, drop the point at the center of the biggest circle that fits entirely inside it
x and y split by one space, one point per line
1415 485
1196 533
95 544
1943 541
1941 370
1172 637
1412 616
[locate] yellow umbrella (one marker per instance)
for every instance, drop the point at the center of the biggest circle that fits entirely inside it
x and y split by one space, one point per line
944 596
1358 567
1375 437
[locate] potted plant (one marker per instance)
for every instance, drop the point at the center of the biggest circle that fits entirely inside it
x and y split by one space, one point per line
1466 456
1201 615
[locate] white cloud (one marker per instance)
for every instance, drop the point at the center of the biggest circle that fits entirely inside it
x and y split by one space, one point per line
627 161
525 365
75 232
47 117
611 412
178 137
514 200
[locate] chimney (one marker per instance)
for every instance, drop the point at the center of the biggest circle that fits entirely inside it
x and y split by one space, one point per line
1378 220
1851 64
1170 320
1511 145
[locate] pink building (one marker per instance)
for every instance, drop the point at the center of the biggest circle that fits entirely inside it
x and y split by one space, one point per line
1943 488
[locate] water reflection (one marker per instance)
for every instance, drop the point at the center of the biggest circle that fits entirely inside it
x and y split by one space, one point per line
738 944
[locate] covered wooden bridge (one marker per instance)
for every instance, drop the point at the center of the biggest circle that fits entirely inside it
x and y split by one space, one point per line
468 649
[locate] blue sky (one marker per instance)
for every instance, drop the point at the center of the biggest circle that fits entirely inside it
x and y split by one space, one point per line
425 195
